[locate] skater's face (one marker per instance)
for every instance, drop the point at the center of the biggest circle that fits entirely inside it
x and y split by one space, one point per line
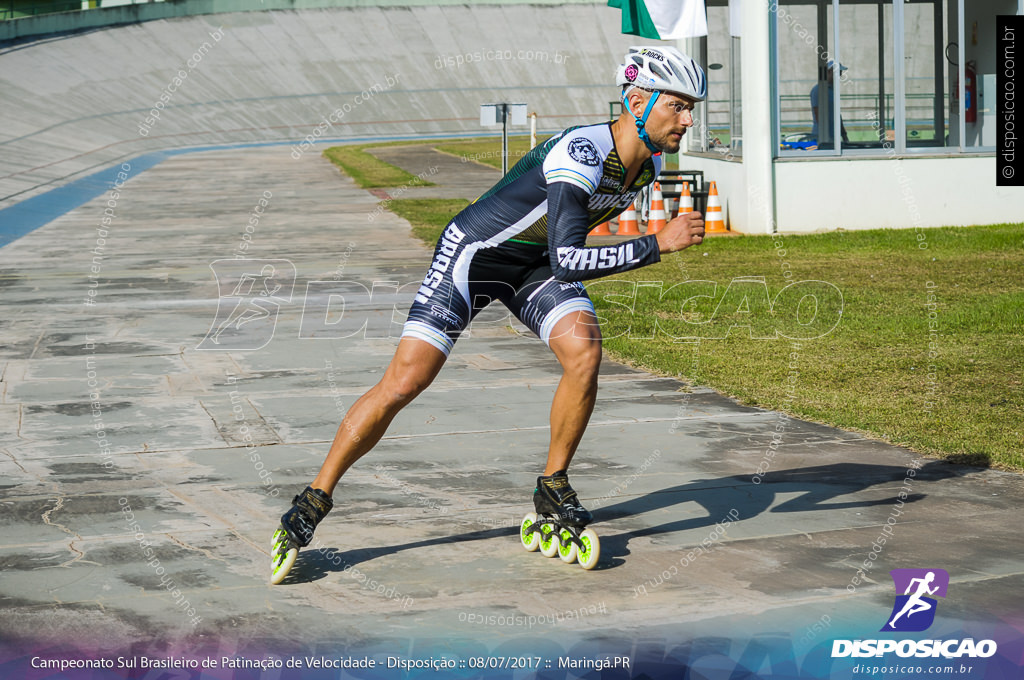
670 118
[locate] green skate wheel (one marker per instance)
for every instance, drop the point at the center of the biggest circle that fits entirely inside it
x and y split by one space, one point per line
530 539
549 540
279 535
592 549
282 557
566 548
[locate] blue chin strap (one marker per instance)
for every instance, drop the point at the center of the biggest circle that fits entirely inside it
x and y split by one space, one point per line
640 122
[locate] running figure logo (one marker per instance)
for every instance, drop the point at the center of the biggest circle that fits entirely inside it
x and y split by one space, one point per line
251 293
914 610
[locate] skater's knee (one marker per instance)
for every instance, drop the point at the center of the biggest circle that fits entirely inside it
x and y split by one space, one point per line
410 372
403 386
582 359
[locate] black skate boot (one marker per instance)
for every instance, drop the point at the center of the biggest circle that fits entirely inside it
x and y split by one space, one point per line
308 509
554 496
296 530
557 526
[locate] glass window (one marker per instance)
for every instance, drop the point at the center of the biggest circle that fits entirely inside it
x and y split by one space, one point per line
803 36
868 95
901 66
978 69
698 135
720 113
735 99
925 36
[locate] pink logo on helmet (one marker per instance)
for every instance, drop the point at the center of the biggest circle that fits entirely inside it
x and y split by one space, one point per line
631 72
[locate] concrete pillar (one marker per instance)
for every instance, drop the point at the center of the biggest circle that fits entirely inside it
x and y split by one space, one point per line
755 63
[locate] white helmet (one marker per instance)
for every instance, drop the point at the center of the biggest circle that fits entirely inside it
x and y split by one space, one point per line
663 69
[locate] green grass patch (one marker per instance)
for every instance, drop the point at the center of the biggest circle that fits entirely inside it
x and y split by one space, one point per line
368 171
864 356
428 216
487 150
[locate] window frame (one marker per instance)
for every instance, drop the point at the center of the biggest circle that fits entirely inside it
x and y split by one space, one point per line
899 142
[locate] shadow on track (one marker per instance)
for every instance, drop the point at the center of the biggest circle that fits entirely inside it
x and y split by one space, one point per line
817 487
737 496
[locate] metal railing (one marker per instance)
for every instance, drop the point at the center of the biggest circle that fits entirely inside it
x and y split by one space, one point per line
20 9
860 116
861 111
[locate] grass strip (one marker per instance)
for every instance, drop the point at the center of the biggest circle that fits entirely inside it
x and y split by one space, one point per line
428 216
918 347
368 171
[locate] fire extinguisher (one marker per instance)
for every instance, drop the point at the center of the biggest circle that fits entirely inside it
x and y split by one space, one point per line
970 94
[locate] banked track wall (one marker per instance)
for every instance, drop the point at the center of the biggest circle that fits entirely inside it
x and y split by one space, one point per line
76 103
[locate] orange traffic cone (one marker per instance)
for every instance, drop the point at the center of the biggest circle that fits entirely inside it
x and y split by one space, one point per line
671 203
713 221
656 221
627 222
685 200
601 230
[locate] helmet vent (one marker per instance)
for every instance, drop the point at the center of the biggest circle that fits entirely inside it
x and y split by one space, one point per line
657 69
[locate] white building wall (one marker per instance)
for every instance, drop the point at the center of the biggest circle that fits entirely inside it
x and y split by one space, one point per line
813 196
888 193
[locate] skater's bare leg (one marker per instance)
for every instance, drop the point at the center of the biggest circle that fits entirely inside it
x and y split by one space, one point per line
576 342
414 366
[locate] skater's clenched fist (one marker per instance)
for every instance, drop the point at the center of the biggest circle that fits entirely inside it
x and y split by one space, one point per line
682 232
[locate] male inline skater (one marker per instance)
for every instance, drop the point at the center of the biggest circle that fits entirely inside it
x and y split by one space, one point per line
524 243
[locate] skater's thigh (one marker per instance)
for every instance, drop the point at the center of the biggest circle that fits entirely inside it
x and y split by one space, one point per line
454 290
560 313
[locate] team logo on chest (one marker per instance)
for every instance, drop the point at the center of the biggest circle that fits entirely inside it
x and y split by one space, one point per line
582 150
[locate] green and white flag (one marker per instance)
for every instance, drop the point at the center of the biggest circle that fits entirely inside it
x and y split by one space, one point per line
663 19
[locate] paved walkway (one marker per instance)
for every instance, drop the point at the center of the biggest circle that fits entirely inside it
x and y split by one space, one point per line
453 177
140 472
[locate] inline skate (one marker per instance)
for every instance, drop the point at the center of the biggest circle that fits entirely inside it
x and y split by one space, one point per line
558 525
